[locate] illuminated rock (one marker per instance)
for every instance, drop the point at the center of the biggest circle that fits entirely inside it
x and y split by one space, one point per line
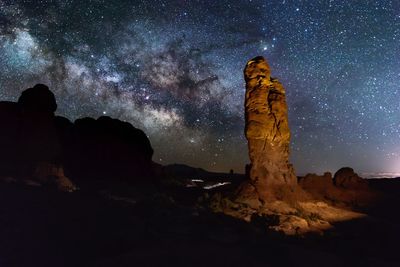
345 189
270 196
271 175
318 186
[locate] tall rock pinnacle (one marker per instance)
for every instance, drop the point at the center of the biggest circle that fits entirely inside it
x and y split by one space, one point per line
268 134
270 194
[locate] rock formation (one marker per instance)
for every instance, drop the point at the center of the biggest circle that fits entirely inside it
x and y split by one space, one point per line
107 148
345 189
29 139
348 179
38 99
314 181
271 194
38 137
320 187
40 148
271 176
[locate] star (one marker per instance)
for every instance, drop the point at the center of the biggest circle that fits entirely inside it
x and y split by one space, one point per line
174 70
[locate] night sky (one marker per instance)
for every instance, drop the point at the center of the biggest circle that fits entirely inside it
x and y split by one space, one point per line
175 70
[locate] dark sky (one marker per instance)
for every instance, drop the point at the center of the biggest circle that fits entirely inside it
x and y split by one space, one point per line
174 69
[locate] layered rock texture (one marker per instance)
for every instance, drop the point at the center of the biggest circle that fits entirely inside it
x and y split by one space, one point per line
39 148
271 176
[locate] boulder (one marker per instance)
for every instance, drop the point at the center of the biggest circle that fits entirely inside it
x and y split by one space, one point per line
348 179
38 99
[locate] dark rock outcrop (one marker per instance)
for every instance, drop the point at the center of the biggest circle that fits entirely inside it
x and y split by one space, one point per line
105 148
267 131
348 179
10 135
29 139
38 99
28 133
37 145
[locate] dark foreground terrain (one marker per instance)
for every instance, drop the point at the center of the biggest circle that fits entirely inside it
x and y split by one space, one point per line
134 226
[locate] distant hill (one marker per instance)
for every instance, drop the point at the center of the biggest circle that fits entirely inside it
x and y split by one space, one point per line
187 172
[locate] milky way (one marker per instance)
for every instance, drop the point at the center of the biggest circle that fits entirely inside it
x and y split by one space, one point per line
174 69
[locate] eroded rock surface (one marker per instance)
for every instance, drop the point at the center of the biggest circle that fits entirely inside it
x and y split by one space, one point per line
271 176
319 187
346 189
271 196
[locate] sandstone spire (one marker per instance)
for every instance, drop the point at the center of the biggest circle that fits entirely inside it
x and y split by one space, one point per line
268 134
270 194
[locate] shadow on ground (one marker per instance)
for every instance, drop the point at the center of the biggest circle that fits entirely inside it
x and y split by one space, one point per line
42 227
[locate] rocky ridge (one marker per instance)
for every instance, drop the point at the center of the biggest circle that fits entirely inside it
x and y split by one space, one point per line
40 148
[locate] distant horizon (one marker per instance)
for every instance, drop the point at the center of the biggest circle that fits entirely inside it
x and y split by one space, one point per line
366 175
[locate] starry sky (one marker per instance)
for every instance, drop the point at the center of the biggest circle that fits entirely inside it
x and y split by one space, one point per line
175 70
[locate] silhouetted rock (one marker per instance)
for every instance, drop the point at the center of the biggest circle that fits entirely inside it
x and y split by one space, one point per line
348 179
10 119
64 128
39 140
268 135
63 124
38 99
108 148
29 139
37 145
